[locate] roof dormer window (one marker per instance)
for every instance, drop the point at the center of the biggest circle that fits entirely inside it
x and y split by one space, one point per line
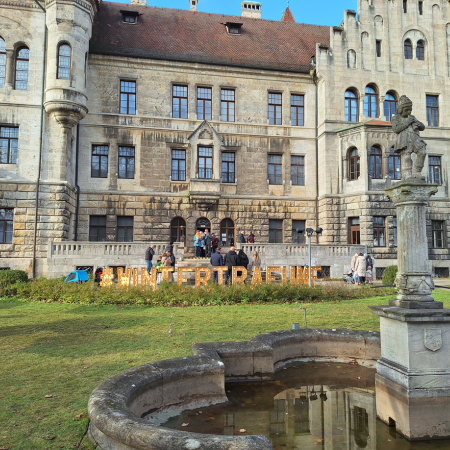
130 16
233 27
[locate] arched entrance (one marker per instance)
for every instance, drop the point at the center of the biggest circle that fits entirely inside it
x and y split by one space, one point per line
203 224
227 232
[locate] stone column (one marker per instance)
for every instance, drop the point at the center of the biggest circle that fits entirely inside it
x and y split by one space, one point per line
9 68
414 280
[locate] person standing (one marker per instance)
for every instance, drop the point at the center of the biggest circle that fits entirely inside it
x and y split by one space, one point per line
198 244
352 266
360 267
255 262
251 238
369 275
149 253
216 260
231 259
369 261
208 242
241 237
214 243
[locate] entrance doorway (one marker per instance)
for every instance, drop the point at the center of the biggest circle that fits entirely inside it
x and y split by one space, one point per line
203 224
354 230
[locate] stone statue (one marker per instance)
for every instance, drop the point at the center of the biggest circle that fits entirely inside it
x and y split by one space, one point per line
408 140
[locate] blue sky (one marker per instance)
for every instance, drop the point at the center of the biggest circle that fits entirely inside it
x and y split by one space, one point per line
318 12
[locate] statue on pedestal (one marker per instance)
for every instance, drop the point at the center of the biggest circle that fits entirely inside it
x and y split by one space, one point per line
408 140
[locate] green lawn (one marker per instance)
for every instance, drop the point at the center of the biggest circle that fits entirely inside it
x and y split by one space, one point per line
67 350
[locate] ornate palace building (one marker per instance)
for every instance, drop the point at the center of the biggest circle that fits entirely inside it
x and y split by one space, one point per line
124 124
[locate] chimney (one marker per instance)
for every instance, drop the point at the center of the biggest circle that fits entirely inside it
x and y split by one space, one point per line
251 9
139 2
193 4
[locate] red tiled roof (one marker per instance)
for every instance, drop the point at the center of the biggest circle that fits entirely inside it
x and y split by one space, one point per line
377 122
182 35
288 16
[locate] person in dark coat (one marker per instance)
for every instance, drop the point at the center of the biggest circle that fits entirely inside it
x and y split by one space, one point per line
207 238
216 260
231 259
241 237
149 253
251 238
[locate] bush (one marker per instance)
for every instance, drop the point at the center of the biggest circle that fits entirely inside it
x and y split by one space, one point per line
389 275
9 278
172 294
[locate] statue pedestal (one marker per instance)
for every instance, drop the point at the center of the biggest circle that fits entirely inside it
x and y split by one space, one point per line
413 375
414 280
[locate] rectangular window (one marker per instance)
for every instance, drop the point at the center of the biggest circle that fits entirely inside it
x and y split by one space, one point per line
437 230
405 6
297 109
434 169
379 232
228 167
298 238
394 228
275 231
205 162
127 97
99 162
274 108
378 48
274 169
354 230
420 8
204 103
124 229
126 162
6 225
97 228
178 165
432 110
227 105
9 143
298 170
180 102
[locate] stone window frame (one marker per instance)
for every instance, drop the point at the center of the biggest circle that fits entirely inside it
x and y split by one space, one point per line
298 238
203 101
175 224
405 6
351 105
176 98
7 136
275 164
376 162
128 159
59 67
127 95
437 234
6 225
206 158
354 228
393 159
227 164
420 7
125 227
420 50
371 100
408 49
24 59
296 108
378 48
3 60
354 159
97 227
172 159
379 230
390 104
431 109
278 232
297 166
225 228
276 109
102 157
435 169
225 104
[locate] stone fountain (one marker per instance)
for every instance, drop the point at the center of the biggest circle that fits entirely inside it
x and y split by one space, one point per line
413 373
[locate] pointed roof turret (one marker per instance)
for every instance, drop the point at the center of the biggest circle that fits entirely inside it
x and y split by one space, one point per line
287 16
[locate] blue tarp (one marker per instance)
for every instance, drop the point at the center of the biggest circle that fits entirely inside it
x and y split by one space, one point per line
76 276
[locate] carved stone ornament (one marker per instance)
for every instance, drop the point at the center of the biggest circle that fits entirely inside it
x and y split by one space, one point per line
433 338
418 285
205 134
408 192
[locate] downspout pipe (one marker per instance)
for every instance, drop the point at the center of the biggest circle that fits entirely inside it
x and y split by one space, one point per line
41 139
316 83
77 151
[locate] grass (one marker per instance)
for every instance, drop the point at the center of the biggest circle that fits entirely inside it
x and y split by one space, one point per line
66 350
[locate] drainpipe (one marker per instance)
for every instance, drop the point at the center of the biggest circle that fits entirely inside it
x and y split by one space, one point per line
38 180
77 149
316 83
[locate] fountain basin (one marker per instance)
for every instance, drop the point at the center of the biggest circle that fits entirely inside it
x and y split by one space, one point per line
117 406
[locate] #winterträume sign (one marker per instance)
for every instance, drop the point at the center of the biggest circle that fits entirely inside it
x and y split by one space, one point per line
130 277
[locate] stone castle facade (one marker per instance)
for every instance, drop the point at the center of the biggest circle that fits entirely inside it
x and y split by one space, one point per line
141 124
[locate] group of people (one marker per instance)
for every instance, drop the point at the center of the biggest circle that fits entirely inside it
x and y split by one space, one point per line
167 259
205 244
233 259
250 238
361 268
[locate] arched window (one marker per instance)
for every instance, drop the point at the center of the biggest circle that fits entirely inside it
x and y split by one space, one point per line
420 50
227 232
395 167
64 61
22 62
203 224
360 426
2 62
351 106
408 49
390 105
353 164
375 163
371 102
178 230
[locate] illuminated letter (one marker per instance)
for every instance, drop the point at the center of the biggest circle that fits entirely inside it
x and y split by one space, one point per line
269 270
234 276
220 271
107 277
199 279
283 274
123 278
180 278
135 277
165 273
256 277
149 279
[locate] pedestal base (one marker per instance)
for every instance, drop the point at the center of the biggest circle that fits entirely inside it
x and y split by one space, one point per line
419 414
413 304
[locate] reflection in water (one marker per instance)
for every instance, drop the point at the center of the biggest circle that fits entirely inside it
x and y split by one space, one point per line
308 405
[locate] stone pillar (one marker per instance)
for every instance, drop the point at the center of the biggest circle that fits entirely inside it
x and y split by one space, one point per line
9 68
414 280
413 374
